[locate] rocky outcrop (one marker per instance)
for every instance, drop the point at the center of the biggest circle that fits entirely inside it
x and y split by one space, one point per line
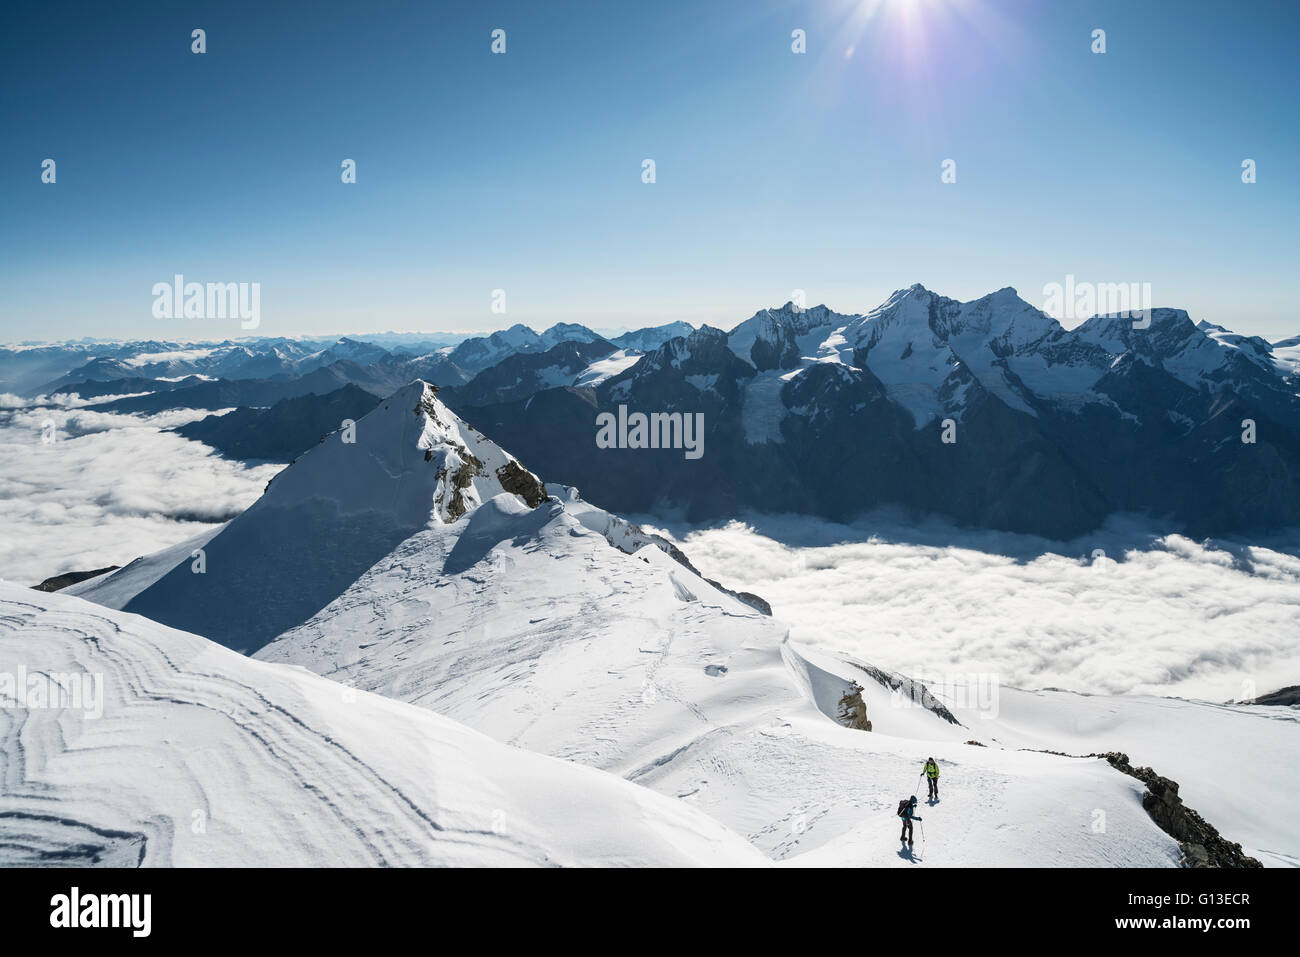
1283 697
1201 843
460 479
852 711
909 688
56 582
516 479
756 602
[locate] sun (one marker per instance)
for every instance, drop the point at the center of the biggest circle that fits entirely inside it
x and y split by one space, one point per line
908 24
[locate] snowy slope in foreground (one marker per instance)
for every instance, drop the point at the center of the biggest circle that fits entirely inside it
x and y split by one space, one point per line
1236 764
205 757
527 624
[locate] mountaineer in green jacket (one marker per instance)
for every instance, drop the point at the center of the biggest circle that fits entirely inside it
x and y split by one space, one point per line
932 774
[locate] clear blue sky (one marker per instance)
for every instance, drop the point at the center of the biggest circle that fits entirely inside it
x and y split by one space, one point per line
523 171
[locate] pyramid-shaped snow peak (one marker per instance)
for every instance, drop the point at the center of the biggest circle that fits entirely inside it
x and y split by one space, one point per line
408 465
411 457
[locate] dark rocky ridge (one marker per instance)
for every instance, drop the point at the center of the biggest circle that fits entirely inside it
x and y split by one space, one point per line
1283 697
1201 843
285 430
908 688
55 582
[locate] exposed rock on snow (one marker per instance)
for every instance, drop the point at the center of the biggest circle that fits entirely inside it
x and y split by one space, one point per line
1201 843
72 578
908 689
1283 697
852 712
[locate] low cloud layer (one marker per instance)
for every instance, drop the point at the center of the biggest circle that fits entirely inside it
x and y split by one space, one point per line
59 400
1158 614
108 489
1162 615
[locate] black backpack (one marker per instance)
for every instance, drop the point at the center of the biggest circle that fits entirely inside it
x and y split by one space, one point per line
903 805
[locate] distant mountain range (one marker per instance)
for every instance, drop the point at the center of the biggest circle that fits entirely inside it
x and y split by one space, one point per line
1049 430
389 359
987 411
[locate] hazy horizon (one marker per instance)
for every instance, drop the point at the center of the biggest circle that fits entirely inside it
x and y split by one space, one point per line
610 331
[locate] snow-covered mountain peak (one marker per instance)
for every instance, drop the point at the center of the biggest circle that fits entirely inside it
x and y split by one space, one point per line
678 352
1163 327
799 319
567 332
915 291
1002 318
911 307
917 306
518 334
411 457
467 469
407 466
782 338
646 340
808 316
1168 336
908 314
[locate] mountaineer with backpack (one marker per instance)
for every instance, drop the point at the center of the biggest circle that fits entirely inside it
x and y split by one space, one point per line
907 811
932 773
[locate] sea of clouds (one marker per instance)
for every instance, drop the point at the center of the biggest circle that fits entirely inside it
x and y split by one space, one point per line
1153 613
108 489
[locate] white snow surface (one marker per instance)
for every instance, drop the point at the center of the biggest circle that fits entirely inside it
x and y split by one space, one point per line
527 625
1286 355
570 632
606 368
203 757
1235 764
763 411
